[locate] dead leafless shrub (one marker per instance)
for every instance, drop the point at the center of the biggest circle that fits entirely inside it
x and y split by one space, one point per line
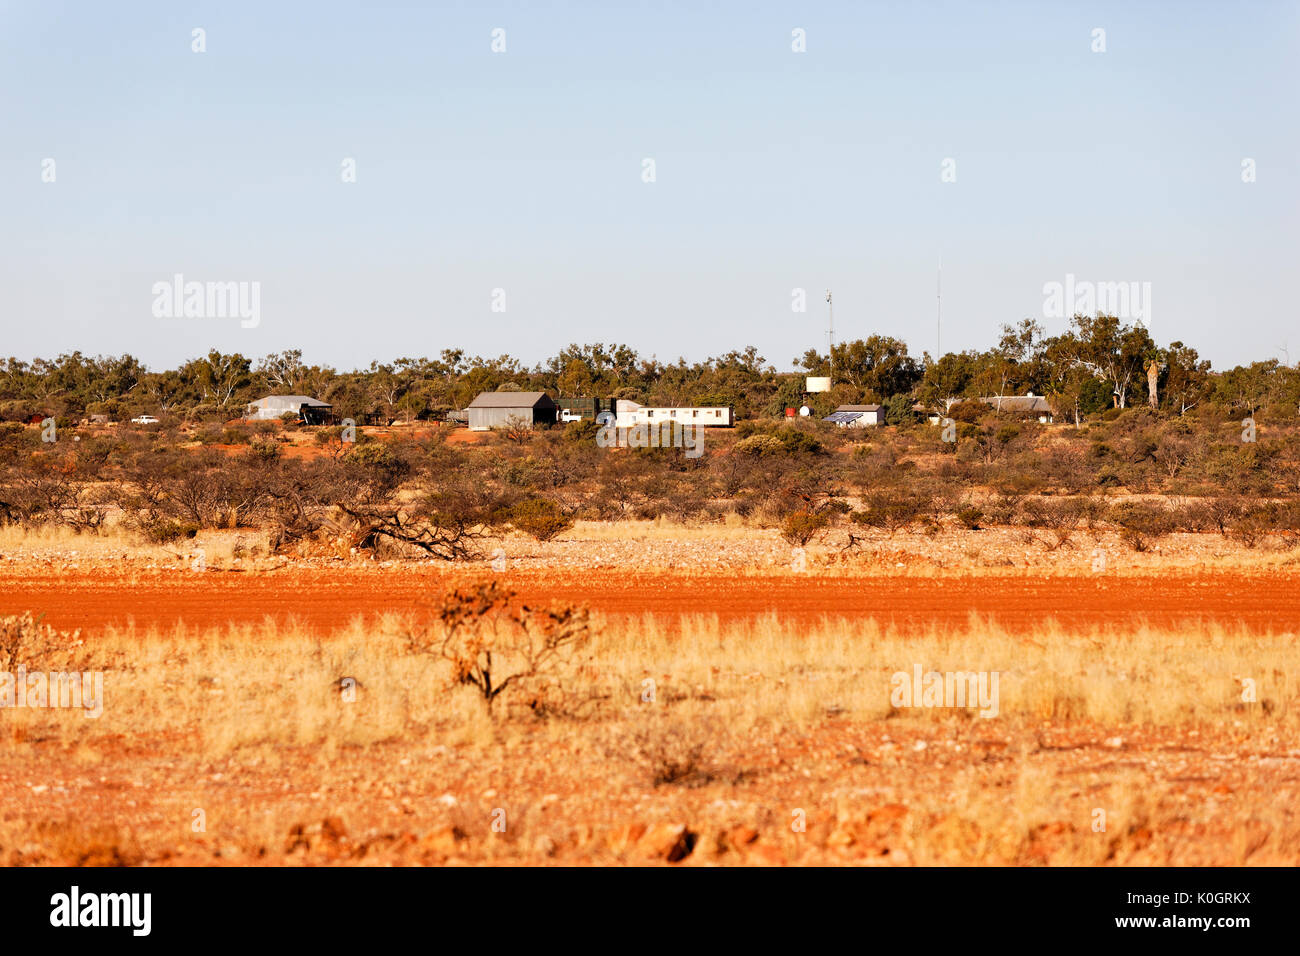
372 526
1219 513
445 521
1050 513
1059 517
517 429
493 643
45 490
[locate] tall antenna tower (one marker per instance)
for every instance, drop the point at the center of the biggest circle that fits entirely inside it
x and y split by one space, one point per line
830 333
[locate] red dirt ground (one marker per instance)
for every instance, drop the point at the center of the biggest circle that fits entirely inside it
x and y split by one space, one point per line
330 597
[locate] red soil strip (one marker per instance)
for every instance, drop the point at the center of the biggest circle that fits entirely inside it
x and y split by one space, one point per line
329 598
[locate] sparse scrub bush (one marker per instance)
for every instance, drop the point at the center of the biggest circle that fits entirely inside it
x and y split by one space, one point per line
801 526
167 531
674 752
539 518
1141 523
264 450
1256 522
891 510
758 446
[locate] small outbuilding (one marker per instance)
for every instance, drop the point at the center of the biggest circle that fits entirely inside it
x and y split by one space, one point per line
1029 406
501 409
857 416
310 411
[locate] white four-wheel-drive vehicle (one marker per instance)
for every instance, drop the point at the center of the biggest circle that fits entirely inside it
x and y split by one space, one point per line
144 420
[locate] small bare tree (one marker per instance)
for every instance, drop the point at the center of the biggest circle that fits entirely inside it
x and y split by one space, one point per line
517 429
493 642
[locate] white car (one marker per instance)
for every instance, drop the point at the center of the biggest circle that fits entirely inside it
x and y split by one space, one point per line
144 420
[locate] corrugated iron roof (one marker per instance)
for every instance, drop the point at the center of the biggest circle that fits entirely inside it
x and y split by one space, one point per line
1018 403
294 400
509 399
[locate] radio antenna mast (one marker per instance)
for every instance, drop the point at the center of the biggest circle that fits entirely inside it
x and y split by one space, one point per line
830 333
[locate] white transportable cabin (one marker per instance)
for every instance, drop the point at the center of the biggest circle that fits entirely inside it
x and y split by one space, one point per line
630 414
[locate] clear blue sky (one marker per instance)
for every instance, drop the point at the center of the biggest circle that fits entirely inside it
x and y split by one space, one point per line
522 171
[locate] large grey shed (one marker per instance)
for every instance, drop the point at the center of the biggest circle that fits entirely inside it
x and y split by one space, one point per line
309 410
498 409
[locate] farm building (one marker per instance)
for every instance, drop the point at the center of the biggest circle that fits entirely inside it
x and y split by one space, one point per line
926 412
1031 405
857 416
629 414
498 409
310 411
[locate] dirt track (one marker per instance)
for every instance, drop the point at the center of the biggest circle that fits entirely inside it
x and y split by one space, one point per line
332 596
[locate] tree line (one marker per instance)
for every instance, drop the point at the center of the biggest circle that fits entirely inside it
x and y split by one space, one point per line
1098 363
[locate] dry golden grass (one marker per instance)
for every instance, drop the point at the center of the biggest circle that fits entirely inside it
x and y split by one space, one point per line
277 685
727 729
